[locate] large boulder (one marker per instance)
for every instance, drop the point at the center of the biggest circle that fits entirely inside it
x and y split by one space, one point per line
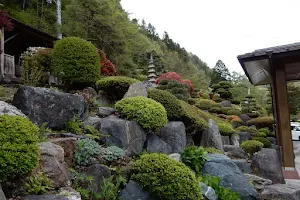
8 109
106 111
244 136
133 191
176 156
99 173
243 165
155 144
230 175
235 152
94 122
225 140
281 192
272 140
174 134
70 193
44 197
245 118
207 192
266 164
2 195
68 144
211 137
45 105
136 89
225 103
51 163
235 140
127 135
259 183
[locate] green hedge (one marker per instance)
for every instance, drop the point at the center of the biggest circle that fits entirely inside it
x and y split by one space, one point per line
264 130
150 114
169 101
18 147
234 112
225 128
206 104
166 178
115 87
262 122
265 141
215 110
76 61
253 131
252 146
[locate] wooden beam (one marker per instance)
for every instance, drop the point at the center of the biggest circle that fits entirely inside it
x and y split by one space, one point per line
283 114
2 53
12 37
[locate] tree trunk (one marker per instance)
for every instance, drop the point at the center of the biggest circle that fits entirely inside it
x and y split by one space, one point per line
58 16
2 53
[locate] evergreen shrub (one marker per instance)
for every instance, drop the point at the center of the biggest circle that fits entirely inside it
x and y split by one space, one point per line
252 146
262 122
265 141
206 104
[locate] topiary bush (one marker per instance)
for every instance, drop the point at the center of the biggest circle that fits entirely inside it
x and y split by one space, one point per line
225 128
253 131
194 157
206 104
84 151
115 87
178 89
234 112
261 134
166 178
76 61
224 110
191 101
252 146
262 122
148 113
265 141
264 130
169 101
19 150
216 110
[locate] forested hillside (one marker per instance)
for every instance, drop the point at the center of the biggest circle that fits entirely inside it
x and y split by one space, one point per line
127 43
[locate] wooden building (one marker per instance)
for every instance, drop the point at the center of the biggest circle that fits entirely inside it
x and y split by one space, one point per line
276 66
14 43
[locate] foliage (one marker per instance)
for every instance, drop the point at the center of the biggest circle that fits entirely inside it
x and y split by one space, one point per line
262 122
115 87
294 97
107 67
212 150
74 125
220 73
216 110
234 112
111 187
265 141
235 120
225 110
261 134
191 101
178 89
43 131
166 178
235 101
19 147
223 89
174 76
76 61
85 150
92 132
5 21
226 129
148 113
38 184
194 157
206 104
169 101
253 131
221 192
264 130
252 146
112 153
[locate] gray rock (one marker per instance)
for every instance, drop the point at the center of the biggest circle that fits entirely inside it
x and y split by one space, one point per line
230 175
235 140
225 140
207 192
189 140
243 165
235 152
70 193
8 109
155 144
174 134
244 136
148 84
94 122
51 163
127 135
281 192
106 111
211 137
45 105
103 100
266 164
259 183
68 144
2 195
136 89
245 118
44 197
98 172
175 156
226 103
133 191
272 140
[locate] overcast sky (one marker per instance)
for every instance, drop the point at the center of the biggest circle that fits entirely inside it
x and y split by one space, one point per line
221 29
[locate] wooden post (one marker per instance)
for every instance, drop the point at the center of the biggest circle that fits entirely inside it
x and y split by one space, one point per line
283 125
2 53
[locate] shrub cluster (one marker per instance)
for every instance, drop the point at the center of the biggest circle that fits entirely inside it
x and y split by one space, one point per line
148 113
265 141
223 89
115 87
206 104
264 130
166 178
225 128
225 110
112 153
84 151
213 150
18 147
262 122
216 110
76 61
234 112
175 77
253 131
178 89
169 101
252 146
194 157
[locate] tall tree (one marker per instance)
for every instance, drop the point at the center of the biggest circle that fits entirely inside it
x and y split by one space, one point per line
220 73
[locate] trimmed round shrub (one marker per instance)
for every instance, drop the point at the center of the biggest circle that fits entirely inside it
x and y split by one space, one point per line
191 101
169 101
225 128
76 61
148 113
252 146
262 122
253 114
205 96
19 150
265 141
234 112
253 131
215 110
235 101
213 150
261 134
178 89
224 110
264 130
206 104
115 87
166 178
